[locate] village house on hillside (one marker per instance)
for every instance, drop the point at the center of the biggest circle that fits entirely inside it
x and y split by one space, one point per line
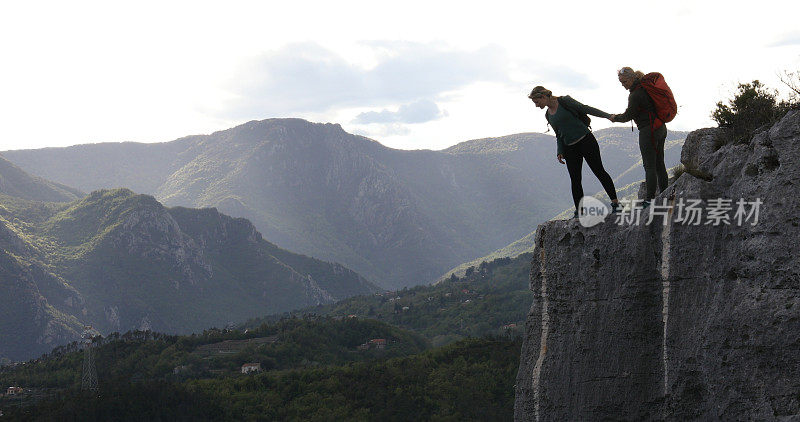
13 391
377 343
251 367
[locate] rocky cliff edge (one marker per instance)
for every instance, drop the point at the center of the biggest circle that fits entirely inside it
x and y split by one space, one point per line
676 320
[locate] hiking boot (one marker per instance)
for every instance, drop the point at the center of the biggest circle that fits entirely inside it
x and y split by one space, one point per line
574 215
615 207
645 204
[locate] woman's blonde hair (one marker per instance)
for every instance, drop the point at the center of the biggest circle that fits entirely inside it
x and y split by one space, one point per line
630 73
540 91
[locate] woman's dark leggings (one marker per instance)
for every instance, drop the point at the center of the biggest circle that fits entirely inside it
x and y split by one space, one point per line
587 149
651 145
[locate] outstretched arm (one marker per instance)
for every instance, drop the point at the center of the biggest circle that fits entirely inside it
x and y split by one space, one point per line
587 109
635 104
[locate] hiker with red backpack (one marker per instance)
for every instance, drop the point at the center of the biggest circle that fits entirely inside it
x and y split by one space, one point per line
575 140
650 105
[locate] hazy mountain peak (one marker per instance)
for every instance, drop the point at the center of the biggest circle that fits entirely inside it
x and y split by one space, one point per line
292 132
16 182
501 144
397 217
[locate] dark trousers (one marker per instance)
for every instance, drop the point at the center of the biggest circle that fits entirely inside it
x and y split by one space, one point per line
587 149
651 145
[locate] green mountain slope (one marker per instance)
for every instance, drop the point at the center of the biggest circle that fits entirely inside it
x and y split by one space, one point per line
313 370
117 260
286 344
314 367
16 182
493 298
401 218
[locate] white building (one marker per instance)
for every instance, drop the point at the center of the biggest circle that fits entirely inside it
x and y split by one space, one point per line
251 367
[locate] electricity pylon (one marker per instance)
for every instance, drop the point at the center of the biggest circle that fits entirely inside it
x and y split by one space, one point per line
89 379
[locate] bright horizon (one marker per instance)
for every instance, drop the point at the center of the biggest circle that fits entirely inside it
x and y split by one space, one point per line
424 76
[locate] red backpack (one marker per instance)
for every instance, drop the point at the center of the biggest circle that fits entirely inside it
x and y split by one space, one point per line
657 88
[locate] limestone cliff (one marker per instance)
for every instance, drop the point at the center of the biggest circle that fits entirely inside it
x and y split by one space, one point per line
672 320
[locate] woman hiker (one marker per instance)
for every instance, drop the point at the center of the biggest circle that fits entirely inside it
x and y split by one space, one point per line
651 141
575 141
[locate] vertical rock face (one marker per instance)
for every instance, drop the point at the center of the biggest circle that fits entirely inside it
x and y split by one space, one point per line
675 321
28 322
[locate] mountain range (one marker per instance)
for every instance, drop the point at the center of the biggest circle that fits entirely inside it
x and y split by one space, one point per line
117 261
399 218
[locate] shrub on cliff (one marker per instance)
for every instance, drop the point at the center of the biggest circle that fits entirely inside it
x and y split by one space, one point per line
677 171
752 107
792 81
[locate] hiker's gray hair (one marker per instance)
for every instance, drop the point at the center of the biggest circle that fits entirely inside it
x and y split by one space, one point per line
630 73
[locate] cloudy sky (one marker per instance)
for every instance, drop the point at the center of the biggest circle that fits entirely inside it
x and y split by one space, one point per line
411 75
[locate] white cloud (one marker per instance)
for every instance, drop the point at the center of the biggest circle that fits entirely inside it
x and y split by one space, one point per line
307 77
561 75
382 131
417 112
789 39
153 71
